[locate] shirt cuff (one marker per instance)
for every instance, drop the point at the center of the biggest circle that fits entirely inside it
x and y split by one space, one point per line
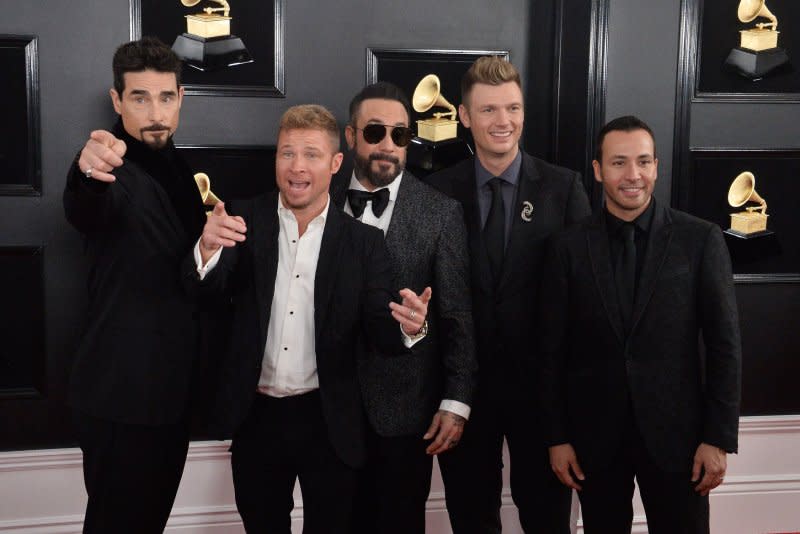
202 270
456 407
408 341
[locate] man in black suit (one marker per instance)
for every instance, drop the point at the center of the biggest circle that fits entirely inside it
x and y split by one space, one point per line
416 405
625 390
312 289
131 381
512 202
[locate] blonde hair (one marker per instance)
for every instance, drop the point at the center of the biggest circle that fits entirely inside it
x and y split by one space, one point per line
490 70
311 117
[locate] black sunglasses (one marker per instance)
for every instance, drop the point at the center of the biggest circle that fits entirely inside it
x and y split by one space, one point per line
374 133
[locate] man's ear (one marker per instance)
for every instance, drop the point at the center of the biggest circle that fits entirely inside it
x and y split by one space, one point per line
336 163
350 136
463 114
598 175
116 99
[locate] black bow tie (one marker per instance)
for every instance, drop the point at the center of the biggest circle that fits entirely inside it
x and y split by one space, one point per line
358 201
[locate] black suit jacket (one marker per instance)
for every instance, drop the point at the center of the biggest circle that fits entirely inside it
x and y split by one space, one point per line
352 290
136 359
506 317
427 242
595 378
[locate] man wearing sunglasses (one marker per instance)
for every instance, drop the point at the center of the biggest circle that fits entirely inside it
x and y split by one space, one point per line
512 203
416 405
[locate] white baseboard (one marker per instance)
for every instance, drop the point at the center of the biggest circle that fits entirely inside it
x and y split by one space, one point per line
41 491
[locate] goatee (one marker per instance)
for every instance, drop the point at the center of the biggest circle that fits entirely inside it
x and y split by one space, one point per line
363 169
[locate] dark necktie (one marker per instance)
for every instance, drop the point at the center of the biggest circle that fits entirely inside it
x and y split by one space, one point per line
625 272
494 232
358 201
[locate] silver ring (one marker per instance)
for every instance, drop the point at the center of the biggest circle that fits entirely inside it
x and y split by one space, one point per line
88 172
412 315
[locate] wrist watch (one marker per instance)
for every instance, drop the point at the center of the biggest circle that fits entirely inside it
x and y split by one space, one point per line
423 331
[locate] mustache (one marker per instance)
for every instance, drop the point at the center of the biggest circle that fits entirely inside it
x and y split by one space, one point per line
154 128
384 157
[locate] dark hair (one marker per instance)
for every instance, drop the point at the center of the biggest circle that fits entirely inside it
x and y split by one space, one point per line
489 70
382 90
146 53
627 123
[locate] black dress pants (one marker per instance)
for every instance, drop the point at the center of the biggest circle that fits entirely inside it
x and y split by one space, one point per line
394 486
670 502
472 472
131 472
283 440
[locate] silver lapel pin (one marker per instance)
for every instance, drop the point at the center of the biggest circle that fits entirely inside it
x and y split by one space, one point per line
527 211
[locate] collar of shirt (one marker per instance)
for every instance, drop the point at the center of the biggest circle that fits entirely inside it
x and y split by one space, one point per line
642 222
510 175
286 215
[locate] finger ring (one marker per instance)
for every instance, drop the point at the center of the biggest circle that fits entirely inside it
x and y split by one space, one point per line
88 172
412 315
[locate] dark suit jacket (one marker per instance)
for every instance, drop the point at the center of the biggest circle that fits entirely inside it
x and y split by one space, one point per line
352 289
427 242
506 318
593 375
135 361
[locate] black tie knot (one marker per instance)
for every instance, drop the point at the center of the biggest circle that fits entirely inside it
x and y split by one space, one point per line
358 201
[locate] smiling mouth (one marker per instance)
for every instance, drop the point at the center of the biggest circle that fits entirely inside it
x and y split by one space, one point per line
630 191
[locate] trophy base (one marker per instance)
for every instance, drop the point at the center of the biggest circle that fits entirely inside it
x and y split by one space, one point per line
214 53
748 222
733 233
756 64
437 129
426 157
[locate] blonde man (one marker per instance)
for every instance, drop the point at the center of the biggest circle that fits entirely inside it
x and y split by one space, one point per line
512 202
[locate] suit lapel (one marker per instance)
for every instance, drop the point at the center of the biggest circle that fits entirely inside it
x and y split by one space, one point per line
655 255
265 257
600 258
401 216
327 267
465 192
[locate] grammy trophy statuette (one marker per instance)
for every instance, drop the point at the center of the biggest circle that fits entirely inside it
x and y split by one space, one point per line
437 144
208 44
752 222
758 52
427 95
204 185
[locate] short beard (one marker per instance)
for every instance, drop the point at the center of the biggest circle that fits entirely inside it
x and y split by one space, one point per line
156 143
363 169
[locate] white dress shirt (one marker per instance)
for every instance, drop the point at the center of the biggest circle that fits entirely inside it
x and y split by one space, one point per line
289 366
382 222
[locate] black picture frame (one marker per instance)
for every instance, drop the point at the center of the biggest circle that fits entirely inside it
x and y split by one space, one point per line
20 133
235 171
767 259
405 67
259 23
23 355
714 30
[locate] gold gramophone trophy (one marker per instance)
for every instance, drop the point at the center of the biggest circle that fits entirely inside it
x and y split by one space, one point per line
427 95
751 222
208 43
204 185
758 52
